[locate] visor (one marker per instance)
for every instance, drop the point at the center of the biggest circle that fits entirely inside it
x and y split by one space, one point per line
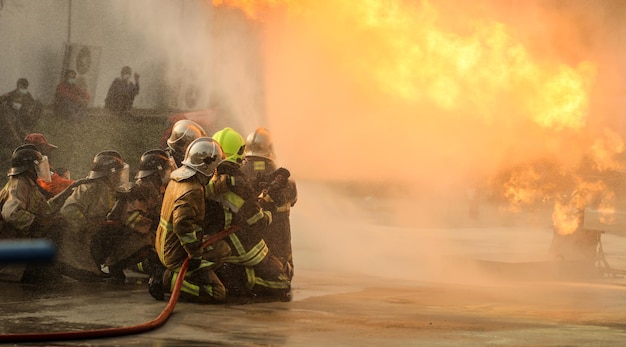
42 167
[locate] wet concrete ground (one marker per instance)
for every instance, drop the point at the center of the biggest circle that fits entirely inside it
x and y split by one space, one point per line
340 311
436 287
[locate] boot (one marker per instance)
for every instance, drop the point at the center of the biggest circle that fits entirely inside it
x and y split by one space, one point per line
155 283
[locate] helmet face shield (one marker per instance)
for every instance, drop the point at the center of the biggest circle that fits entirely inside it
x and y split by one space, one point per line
125 174
172 163
107 163
42 167
167 171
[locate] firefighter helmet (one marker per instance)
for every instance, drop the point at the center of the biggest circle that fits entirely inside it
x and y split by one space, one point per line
203 155
154 161
24 158
259 144
105 163
232 144
183 133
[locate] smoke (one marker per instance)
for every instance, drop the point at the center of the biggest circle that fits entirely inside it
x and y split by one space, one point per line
406 110
415 106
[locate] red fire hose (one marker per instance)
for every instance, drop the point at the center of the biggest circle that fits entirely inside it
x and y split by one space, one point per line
120 331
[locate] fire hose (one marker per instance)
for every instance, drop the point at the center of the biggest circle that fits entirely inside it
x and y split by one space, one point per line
127 330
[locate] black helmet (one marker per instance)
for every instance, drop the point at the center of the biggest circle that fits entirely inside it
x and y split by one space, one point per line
24 158
105 163
152 161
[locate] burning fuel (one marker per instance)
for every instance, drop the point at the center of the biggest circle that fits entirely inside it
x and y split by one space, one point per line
447 91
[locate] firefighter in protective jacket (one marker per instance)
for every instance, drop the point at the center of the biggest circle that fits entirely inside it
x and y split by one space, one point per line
253 270
25 212
85 214
277 191
180 230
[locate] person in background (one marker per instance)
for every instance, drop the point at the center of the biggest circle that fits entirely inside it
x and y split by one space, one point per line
85 212
277 191
70 100
20 111
57 182
181 229
122 93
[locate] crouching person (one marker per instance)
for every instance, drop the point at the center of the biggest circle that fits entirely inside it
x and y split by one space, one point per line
26 214
253 271
85 213
180 231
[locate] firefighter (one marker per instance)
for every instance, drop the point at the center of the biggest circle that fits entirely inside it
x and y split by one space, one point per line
277 191
85 211
57 183
180 231
183 133
25 212
252 271
136 215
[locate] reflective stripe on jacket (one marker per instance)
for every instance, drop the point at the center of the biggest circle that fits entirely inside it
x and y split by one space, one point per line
179 233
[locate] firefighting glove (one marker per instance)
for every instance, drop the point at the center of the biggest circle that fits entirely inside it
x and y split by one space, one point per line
194 264
250 213
221 183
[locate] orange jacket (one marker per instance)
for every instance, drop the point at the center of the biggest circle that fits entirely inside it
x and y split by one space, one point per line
56 185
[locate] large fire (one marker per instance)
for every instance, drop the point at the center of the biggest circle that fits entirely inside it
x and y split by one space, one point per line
435 91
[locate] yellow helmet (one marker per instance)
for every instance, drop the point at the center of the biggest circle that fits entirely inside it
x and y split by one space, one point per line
232 144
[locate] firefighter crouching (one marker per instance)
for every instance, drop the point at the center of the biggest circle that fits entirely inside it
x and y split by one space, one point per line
131 224
252 271
155 167
180 231
26 214
277 192
85 212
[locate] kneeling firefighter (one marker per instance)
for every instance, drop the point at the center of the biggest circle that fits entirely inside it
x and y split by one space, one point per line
180 230
85 213
253 270
25 212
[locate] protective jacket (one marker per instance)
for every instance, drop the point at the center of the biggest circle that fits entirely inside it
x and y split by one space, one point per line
260 172
24 208
129 229
252 260
25 214
84 212
180 228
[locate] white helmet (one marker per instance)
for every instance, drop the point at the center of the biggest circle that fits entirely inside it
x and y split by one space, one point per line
259 144
202 156
183 133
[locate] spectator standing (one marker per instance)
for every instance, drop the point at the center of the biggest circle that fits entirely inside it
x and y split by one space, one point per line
122 93
19 110
70 100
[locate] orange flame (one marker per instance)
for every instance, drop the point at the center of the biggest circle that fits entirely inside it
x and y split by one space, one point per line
412 55
568 215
